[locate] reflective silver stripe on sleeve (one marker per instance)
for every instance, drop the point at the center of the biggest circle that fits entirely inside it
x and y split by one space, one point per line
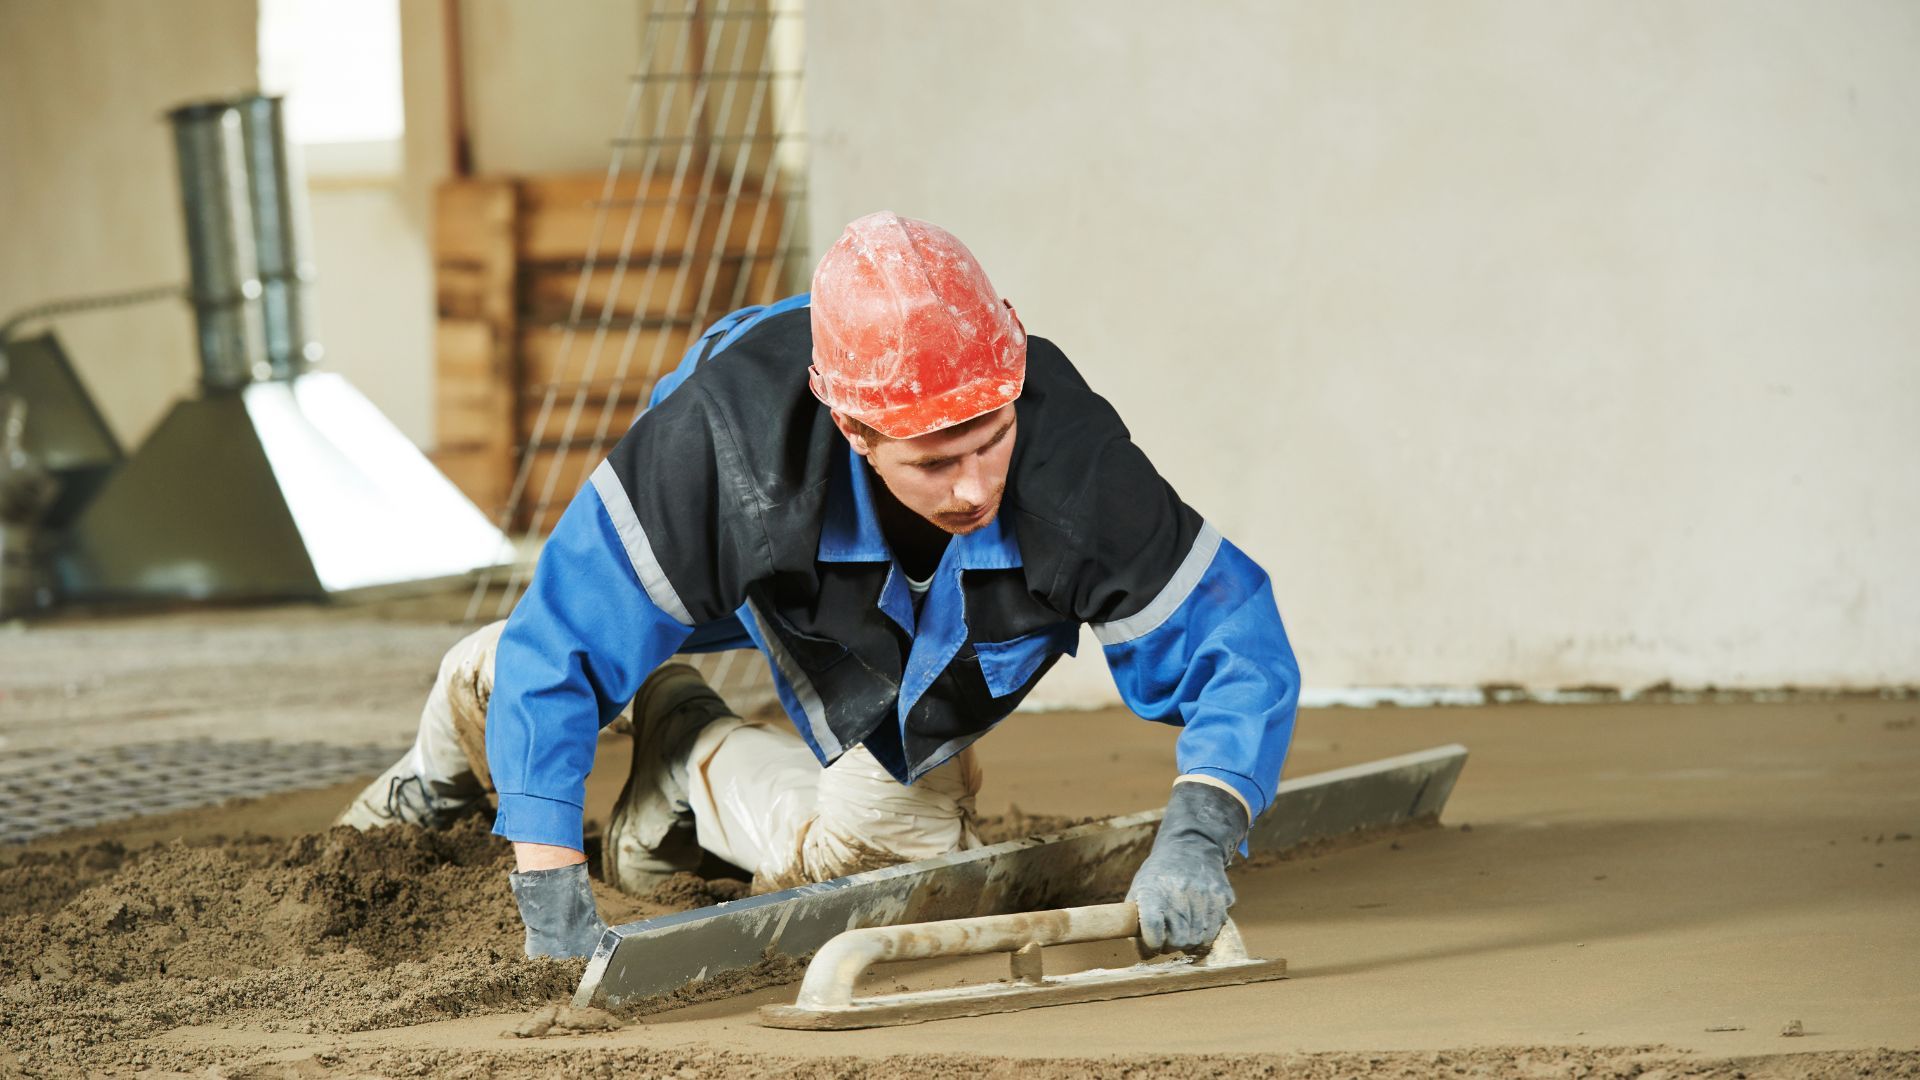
803 690
634 539
1178 588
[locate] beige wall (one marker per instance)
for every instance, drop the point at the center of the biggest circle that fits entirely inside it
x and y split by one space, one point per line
89 200
547 88
374 300
89 197
544 93
1550 343
1556 343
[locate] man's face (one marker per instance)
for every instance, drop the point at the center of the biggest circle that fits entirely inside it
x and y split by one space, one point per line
954 478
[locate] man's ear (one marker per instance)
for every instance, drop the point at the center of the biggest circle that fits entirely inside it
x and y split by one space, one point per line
854 438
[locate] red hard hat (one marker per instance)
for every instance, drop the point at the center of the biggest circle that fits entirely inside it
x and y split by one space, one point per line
908 334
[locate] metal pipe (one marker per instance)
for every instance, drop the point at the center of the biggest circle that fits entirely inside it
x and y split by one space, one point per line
220 245
277 197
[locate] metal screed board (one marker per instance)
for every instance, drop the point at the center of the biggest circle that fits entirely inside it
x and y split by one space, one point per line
1083 865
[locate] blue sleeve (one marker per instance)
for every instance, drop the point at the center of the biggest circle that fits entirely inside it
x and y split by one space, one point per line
574 653
1212 657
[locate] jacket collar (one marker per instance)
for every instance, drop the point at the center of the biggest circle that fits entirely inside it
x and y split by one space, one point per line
851 529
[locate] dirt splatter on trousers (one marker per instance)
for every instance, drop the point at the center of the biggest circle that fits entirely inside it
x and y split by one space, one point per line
760 799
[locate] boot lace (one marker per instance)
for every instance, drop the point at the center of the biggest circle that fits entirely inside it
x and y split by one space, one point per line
409 800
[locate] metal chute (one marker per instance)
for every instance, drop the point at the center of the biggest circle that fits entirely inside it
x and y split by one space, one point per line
276 481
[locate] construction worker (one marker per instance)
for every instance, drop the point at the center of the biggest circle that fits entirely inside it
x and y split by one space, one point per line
910 507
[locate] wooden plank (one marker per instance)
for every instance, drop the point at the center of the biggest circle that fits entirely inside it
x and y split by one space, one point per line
600 407
476 388
509 256
473 389
765 283
483 474
766 266
1088 864
461 290
741 235
559 211
673 291
475 259
471 217
546 356
574 466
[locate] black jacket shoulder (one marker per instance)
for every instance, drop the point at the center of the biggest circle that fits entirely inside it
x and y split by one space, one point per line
731 471
1101 531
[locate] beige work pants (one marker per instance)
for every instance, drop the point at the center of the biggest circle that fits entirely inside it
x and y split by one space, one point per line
760 798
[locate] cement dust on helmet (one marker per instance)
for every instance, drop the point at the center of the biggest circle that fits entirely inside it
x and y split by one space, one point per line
909 336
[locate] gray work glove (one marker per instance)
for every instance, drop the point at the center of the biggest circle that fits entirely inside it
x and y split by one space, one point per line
1182 889
557 906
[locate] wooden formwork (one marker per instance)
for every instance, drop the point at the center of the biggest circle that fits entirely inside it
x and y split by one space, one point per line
548 341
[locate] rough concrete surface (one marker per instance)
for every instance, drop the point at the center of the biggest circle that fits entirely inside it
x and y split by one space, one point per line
1616 891
349 674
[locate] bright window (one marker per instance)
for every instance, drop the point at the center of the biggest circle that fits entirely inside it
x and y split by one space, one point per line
338 63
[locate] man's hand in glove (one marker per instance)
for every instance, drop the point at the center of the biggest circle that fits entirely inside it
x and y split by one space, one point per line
1182 889
557 906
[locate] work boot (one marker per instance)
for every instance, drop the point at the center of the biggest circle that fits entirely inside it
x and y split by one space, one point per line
650 836
401 797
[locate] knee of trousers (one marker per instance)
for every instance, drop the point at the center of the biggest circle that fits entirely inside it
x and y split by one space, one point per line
465 686
867 819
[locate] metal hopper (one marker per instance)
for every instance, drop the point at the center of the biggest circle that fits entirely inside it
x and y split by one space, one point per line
276 481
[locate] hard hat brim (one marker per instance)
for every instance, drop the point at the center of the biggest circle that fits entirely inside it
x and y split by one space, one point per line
927 415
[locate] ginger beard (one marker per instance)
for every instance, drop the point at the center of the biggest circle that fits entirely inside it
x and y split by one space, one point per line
960 520
954 478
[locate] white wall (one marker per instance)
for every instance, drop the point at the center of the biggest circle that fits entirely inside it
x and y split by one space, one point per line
1555 343
89 195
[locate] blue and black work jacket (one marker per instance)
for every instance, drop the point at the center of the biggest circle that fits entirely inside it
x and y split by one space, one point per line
734 514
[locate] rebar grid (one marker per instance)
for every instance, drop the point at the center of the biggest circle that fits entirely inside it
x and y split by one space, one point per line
43 792
701 169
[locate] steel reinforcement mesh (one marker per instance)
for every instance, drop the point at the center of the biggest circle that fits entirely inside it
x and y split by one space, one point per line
712 148
43 792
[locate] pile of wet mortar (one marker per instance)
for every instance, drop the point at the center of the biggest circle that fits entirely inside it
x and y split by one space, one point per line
324 932
333 931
